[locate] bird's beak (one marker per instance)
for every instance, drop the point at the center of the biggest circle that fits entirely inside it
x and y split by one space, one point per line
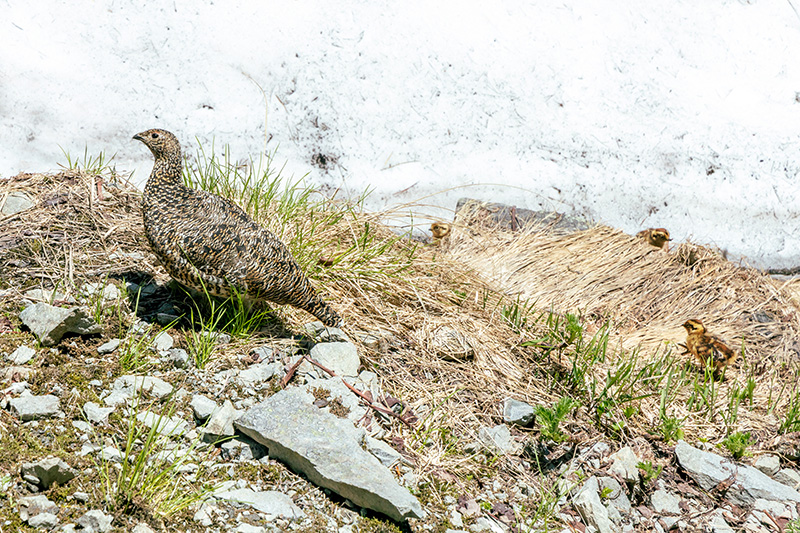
138 137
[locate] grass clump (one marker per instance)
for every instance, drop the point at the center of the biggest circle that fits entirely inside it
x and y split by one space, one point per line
550 418
737 444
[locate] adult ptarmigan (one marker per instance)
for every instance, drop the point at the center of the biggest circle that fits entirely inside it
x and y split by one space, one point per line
208 242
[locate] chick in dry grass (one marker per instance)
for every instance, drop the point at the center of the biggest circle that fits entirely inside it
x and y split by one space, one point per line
210 244
439 230
658 237
707 348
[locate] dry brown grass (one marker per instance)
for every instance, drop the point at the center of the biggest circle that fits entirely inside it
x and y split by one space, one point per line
380 282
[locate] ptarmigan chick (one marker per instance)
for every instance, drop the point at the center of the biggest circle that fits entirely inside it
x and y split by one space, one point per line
208 242
706 347
658 237
440 230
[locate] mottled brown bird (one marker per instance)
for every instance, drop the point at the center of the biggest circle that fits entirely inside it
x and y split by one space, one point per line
440 230
658 237
209 243
706 347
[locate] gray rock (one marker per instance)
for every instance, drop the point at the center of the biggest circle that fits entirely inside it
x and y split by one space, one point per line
587 502
327 450
387 455
21 355
50 323
162 343
179 358
141 527
617 497
95 521
16 202
220 425
258 373
169 426
320 333
108 347
96 414
624 464
517 412
28 407
107 291
664 502
33 505
340 357
498 440
788 477
261 353
242 449
244 527
48 295
48 471
270 502
717 523
43 521
202 407
111 454
768 463
748 483
482 524
126 387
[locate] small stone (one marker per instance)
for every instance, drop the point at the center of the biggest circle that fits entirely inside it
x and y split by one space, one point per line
340 357
81 496
789 477
16 202
21 355
96 414
108 347
33 505
587 503
43 521
624 464
29 407
48 471
169 426
321 333
499 440
664 502
50 323
220 425
517 412
162 342
258 373
387 455
179 358
96 521
141 527
242 449
768 463
202 407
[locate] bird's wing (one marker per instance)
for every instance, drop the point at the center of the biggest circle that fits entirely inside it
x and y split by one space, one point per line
722 354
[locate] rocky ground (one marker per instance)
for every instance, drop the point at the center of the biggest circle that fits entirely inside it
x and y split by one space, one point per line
116 416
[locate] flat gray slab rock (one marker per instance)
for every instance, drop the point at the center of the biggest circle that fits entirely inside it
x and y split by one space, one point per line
29 407
747 483
328 451
47 471
50 323
127 387
340 357
517 412
270 502
594 513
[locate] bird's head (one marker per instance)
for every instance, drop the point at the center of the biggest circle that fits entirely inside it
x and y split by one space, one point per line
693 325
440 229
659 236
161 142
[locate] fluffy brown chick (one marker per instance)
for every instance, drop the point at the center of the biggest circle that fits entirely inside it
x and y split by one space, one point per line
440 230
209 243
705 347
658 237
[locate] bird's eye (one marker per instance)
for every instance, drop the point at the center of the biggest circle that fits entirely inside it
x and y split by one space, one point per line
154 135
